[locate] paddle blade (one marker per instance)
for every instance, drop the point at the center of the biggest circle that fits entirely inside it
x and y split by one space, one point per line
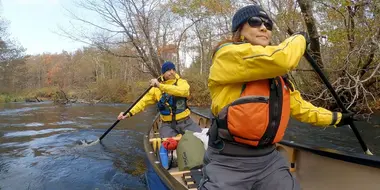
368 152
88 143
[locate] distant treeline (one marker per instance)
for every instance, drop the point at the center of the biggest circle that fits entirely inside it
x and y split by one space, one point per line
127 51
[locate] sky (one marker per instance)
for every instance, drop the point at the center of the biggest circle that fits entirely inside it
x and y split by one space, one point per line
33 24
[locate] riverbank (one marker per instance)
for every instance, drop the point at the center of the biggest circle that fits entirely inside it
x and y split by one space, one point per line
5 98
199 98
63 98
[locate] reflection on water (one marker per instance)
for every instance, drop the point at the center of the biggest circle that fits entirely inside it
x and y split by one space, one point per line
39 149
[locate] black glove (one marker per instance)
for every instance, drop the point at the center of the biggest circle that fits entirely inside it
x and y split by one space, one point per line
306 36
346 119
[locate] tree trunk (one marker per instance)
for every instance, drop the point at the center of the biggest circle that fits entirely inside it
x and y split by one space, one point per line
307 12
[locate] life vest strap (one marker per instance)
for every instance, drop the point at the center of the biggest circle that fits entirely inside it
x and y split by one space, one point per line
275 109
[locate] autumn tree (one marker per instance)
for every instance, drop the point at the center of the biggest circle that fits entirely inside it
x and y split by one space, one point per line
141 25
11 60
344 41
209 24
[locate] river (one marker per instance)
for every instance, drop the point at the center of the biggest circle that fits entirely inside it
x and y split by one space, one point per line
40 145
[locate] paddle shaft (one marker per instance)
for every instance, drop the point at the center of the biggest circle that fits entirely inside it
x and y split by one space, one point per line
336 97
313 64
125 113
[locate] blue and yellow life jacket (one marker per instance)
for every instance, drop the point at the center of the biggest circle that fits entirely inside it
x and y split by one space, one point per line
171 105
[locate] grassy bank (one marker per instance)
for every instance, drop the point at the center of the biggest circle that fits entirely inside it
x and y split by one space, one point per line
117 92
28 95
106 92
5 98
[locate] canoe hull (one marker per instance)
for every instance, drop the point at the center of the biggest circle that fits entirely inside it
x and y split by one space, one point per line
315 171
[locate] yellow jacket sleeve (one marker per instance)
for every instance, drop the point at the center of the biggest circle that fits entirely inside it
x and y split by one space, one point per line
148 99
182 89
308 113
235 63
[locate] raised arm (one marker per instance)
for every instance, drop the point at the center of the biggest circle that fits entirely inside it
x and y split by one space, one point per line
234 63
182 89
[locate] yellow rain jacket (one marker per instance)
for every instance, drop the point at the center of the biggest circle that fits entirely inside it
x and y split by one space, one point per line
235 64
182 89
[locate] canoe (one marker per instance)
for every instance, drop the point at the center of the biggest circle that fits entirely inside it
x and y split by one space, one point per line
314 167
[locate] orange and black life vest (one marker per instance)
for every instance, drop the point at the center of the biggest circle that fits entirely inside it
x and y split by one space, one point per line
260 115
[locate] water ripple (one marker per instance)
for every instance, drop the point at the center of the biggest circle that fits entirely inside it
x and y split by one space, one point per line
33 132
15 111
63 123
86 118
34 124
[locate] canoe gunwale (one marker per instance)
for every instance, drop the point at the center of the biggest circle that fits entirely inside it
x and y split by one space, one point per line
361 159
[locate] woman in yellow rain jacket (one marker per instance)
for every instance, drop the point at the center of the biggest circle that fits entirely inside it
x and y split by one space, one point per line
252 102
171 99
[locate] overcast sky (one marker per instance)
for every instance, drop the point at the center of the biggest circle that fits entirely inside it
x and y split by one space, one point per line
33 23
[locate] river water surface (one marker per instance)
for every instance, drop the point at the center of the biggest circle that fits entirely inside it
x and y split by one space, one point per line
40 149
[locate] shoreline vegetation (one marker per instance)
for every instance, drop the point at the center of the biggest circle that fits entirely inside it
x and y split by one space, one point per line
59 96
91 96
6 98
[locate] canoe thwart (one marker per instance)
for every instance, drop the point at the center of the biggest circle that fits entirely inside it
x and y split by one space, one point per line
177 138
179 173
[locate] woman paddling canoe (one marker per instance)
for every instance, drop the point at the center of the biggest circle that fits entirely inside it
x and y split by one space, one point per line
252 102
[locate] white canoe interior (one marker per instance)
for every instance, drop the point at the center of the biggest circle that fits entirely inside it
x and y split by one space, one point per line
314 168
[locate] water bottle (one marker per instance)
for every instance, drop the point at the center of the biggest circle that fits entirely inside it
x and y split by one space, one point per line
164 157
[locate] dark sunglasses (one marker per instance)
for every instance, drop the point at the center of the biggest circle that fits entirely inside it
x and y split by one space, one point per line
258 21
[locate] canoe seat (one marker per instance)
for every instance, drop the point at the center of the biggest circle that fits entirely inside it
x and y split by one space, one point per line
192 178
